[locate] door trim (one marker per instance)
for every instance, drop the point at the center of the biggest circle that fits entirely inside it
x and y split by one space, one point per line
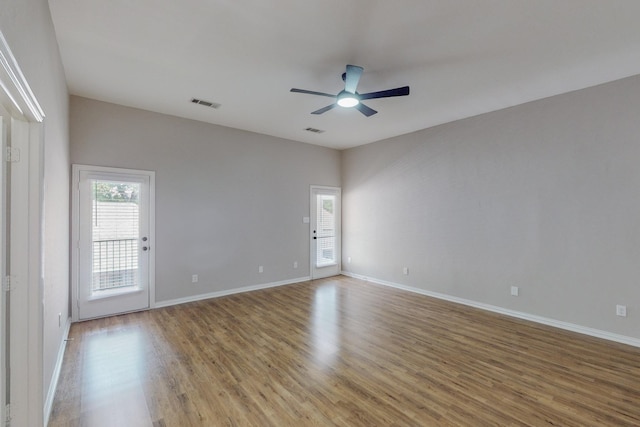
28 117
75 230
338 265
20 100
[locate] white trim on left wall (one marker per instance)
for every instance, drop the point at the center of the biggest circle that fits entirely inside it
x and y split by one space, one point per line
15 85
53 386
27 114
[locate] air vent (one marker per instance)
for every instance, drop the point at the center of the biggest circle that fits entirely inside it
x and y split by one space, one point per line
314 130
205 103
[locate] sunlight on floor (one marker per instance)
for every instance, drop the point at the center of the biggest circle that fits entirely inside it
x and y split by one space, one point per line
326 334
113 374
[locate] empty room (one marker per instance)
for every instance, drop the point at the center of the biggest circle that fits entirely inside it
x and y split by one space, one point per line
354 213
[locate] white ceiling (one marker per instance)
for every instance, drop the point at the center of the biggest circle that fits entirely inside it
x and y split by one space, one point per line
460 58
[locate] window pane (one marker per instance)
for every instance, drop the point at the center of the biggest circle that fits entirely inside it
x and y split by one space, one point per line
325 230
115 234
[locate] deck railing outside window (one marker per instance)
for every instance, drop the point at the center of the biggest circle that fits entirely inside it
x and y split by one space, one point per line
115 264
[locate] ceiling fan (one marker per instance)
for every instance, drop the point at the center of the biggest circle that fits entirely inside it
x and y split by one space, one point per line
349 97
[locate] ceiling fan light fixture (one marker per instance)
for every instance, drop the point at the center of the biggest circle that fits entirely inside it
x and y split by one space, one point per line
347 99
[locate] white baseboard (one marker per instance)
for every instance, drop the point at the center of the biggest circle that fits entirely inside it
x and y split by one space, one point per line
512 313
219 294
48 403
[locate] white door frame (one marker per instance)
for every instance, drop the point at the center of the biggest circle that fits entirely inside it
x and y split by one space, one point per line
3 242
312 241
25 252
75 231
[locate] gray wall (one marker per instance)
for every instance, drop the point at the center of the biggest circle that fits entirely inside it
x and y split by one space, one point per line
27 26
544 196
227 200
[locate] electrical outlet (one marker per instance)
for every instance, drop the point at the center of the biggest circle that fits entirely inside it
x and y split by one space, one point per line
348 260
194 278
405 271
260 269
621 310
515 291
295 264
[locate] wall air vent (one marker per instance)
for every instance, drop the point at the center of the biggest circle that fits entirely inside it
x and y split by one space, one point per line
314 130
205 103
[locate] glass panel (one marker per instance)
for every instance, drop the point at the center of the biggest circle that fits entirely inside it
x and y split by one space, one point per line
115 234
325 230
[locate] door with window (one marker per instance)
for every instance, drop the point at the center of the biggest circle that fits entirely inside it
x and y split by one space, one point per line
325 231
113 253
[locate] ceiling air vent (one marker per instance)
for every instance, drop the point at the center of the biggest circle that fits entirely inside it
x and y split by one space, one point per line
205 103
314 130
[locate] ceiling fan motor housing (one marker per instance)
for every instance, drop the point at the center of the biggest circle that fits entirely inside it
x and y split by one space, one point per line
349 97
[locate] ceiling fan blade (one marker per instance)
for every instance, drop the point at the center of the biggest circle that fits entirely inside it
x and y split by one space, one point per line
325 109
365 110
399 91
352 78
311 92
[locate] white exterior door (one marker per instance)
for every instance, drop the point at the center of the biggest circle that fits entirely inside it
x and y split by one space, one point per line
325 231
114 240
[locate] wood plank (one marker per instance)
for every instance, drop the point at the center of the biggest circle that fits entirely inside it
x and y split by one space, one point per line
340 351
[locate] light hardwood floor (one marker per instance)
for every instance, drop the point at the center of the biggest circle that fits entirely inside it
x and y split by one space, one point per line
340 352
